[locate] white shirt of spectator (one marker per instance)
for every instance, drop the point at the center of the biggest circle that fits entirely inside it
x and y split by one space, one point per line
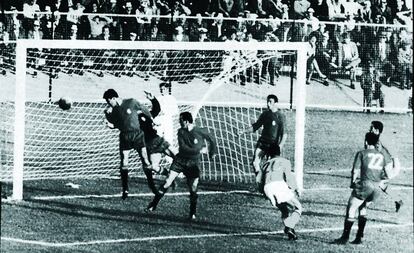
347 48
75 14
29 10
351 8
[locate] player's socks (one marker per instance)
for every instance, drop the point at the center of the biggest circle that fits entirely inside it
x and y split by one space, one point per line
158 196
362 221
124 181
193 203
345 234
150 180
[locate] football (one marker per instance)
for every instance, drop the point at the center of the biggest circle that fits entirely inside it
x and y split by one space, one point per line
65 103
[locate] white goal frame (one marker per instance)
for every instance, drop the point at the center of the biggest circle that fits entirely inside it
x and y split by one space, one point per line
20 95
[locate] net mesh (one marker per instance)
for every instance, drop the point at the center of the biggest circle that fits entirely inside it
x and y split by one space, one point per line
76 142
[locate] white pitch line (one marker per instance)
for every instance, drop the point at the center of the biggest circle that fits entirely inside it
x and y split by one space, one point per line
344 170
181 237
108 196
133 195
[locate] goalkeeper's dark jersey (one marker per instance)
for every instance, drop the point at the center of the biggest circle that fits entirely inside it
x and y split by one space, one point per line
369 164
274 126
125 116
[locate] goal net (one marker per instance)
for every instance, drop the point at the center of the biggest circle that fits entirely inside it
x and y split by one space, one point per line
224 85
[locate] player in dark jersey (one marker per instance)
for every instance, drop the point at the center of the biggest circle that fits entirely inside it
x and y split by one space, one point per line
367 171
377 127
191 144
273 133
125 115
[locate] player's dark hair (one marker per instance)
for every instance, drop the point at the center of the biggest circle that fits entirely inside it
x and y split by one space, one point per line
371 138
274 97
377 125
109 94
166 85
274 150
186 116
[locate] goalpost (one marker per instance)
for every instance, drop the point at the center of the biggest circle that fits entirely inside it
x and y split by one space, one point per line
222 83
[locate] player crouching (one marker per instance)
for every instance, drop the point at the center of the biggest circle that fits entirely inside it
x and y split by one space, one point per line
281 189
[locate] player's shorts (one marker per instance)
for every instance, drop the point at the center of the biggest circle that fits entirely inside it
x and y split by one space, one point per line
131 140
279 191
366 190
189 167
265 145
156 145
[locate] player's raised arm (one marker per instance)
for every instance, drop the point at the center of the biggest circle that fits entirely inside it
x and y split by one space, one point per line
155 104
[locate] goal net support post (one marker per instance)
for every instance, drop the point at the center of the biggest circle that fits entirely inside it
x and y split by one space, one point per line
218 82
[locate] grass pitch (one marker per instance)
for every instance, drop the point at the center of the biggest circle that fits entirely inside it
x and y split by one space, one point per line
231 218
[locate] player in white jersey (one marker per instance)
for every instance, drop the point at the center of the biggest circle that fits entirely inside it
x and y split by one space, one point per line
167 120
281 189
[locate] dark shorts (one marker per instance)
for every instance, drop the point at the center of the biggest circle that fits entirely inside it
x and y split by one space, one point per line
189 167
157 145
131 140
366 190
265 145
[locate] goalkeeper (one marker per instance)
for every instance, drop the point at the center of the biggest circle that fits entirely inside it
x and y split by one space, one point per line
274 133
280 188
156 145
124 115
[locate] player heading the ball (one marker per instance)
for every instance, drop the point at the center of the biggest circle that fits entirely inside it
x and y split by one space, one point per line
125 114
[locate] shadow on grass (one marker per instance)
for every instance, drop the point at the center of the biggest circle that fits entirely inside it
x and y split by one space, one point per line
143 218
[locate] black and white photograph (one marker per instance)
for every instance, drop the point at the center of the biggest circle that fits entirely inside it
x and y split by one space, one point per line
206 126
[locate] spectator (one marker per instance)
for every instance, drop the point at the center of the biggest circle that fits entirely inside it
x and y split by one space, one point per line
129 24
351 8
285 11
325 55
312 64
73 34
35 33
156 34
300 9
381 54
195 25
348 57
29 15
75 13
270 65
46 23
321 9
180 35
97 24
59 27
336 10
312 20
401 14
371 86
144 22
263 8
384 12
405 65
227 8
105 34
365 13
217 28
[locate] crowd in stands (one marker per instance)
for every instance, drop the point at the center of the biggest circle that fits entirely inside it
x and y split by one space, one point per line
342 34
